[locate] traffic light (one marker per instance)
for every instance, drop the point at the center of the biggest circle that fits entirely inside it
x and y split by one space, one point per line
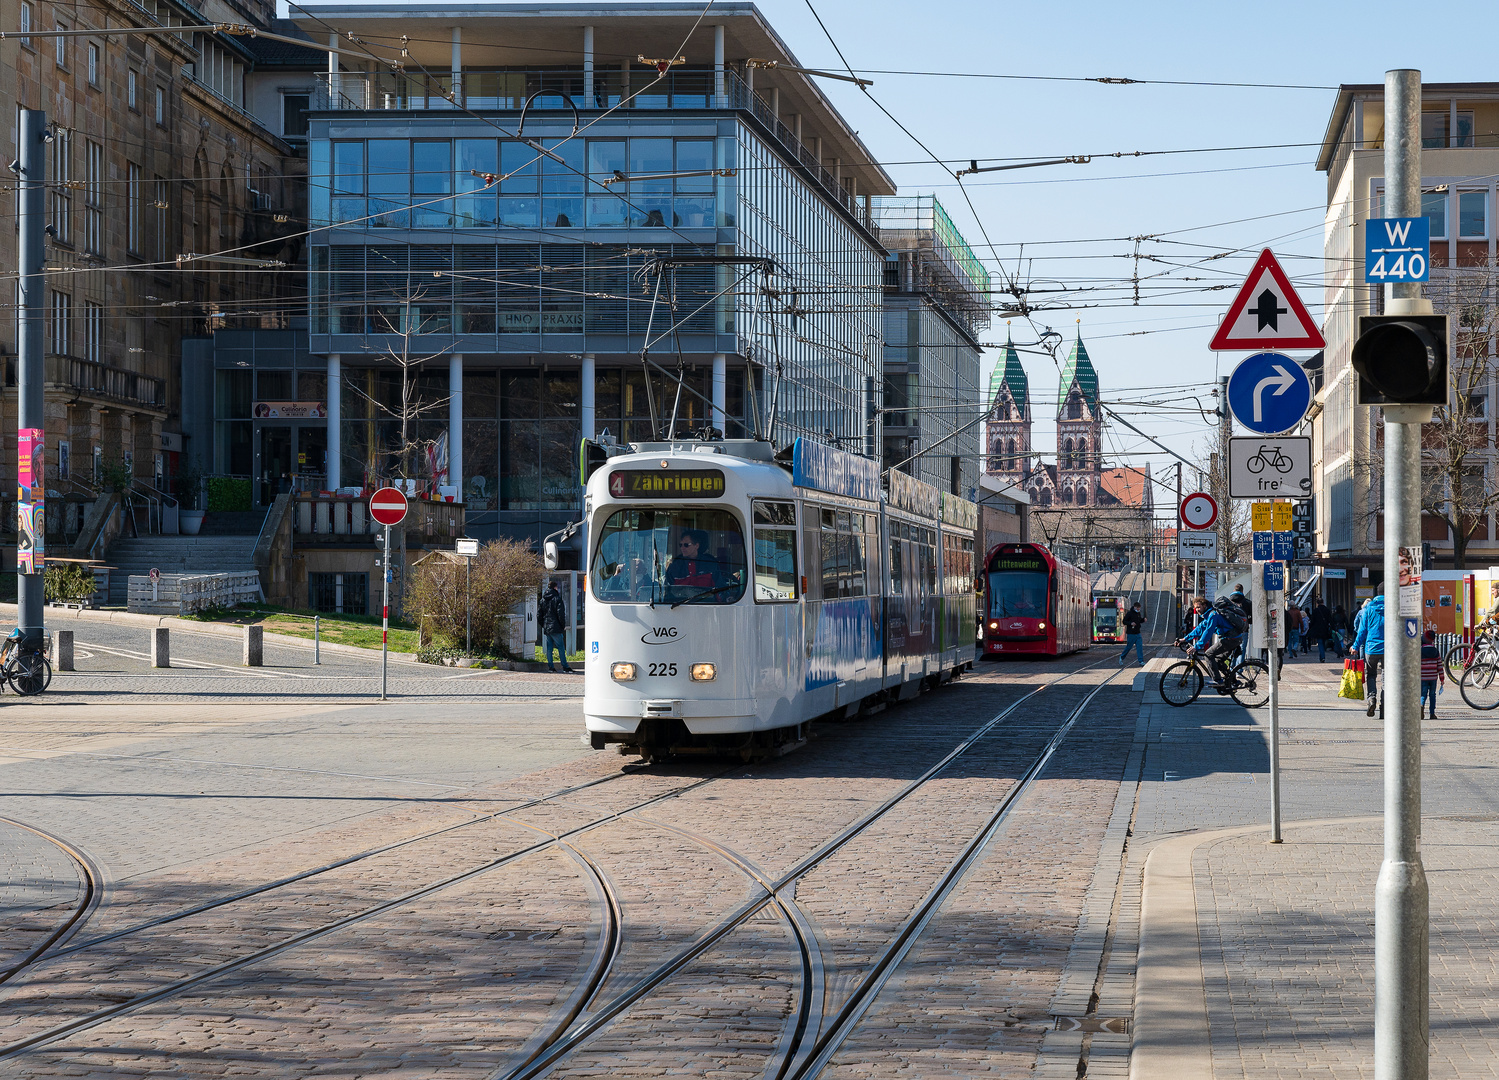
1401 360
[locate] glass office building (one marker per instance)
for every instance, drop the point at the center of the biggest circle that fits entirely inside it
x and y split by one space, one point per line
507 259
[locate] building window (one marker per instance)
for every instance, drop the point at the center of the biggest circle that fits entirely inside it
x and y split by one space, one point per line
161 205
294 115
347 594
93 65
62 324
161 107
1437 132
131 79
93 196
62 45
26 24
93 330
133 207
1434 206
62 192
1472 215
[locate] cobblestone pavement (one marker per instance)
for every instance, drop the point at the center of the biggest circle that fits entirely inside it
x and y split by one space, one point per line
1286 931
188 804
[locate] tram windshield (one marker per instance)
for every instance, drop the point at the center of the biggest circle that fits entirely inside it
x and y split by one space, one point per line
1106 617
1019 586
673 555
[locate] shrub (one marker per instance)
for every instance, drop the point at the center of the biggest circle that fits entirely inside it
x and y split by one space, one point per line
505 572
67 582
228 493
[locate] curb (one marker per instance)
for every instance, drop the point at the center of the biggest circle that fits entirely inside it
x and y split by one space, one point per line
131 618
1172 1036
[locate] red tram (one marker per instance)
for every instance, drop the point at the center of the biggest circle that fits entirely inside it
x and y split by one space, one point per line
1033 603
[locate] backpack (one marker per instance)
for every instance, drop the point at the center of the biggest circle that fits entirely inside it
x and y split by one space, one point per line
1230 613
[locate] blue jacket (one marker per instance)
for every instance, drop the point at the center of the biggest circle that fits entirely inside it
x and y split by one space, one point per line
1368 628
1212 623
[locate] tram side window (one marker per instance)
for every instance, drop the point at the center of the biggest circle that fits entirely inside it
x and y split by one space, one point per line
775 552
896 573
830 557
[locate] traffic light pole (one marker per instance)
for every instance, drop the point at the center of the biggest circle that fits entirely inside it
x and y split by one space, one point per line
1401 916
30 602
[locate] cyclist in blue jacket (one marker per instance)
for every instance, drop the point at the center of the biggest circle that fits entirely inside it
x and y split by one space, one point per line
1215 637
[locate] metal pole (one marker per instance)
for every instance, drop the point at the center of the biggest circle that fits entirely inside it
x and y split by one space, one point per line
1401 915
30 609
317 639
1225 505
1274 610
385 617
468 606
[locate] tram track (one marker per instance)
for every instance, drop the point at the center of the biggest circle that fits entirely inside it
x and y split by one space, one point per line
93 892
804 1037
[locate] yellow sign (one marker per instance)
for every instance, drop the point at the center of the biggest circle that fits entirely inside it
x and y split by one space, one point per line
1270 517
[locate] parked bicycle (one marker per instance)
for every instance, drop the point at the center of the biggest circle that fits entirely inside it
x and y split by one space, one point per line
1248 681
28 670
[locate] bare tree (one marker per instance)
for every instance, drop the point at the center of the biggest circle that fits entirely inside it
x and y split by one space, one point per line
402 319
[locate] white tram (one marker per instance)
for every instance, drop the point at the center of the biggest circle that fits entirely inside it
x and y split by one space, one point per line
734 595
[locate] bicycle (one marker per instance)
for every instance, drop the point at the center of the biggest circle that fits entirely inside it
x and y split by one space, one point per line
1248 681
1479 684
1281 463
1465 654
29 671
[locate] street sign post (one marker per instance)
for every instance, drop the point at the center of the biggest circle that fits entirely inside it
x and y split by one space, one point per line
1266 314
468 548
1397 249
1269 393
1198 511
388 507
1261 468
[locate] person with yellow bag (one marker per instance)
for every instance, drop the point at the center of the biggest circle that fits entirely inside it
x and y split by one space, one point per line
1368 643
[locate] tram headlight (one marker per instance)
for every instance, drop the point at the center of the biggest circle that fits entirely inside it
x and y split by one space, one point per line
994 626
704 672
1041 626
622 672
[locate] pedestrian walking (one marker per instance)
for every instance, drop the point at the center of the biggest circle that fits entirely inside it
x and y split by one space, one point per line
1293 628
1342 628
1319 626
553 616
1432 674
1133 623
1306 625
1368 642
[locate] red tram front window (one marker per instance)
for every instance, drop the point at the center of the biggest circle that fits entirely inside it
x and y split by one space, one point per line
1019 593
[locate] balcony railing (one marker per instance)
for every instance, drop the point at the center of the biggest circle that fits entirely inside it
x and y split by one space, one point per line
564 89
101 380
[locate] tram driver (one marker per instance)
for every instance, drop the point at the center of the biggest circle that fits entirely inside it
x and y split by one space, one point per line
693 566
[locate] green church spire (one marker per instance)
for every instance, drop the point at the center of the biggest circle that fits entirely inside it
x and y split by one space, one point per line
1078 369
1010 373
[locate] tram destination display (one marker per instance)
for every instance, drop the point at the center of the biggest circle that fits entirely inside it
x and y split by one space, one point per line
661 484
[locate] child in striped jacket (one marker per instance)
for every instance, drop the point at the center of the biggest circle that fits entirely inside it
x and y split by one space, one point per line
1431 671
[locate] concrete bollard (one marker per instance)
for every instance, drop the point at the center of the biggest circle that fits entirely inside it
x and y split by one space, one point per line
254 646
161 647
64 650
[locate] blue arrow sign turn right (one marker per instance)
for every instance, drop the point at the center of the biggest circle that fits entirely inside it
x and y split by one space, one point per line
1269 393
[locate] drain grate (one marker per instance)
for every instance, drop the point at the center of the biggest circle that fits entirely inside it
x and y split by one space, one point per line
1114 1025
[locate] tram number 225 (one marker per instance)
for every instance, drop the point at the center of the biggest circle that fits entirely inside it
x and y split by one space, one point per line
663 669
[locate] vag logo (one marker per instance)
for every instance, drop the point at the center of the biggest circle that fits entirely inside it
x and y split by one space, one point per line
659 635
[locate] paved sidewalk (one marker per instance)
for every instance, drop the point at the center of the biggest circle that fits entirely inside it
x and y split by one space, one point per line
1257 960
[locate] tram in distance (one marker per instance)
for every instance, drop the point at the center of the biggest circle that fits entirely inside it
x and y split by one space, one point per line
1108 618
1034 603
735 594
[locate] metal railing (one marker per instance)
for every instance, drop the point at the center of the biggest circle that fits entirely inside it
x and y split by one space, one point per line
102 380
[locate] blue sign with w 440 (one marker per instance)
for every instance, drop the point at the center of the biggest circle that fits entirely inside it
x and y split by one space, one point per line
1397 249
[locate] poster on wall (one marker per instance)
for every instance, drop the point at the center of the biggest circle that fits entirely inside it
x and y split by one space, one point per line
31 510
1410 582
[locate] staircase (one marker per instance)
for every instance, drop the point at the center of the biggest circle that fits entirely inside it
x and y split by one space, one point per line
176 555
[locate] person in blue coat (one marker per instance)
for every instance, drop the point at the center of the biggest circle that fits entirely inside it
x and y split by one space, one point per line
1215 637
1368 643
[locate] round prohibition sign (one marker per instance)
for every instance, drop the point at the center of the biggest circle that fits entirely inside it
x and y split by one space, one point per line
388 506
1199 511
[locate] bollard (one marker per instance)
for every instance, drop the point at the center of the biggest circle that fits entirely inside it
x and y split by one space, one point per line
317 648
254 646
65 650
161 647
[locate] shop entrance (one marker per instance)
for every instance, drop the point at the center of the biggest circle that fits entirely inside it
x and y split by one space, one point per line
275 463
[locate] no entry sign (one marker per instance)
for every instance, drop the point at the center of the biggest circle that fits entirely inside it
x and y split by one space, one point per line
388 506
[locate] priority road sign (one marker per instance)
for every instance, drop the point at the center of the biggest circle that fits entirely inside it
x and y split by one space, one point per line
1199 510
1397 249
388 506
1269 393
1267 313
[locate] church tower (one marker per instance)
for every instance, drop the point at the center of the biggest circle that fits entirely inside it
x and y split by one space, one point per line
1079 430
1007 431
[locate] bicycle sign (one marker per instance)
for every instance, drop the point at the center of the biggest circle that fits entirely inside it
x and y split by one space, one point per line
1261 468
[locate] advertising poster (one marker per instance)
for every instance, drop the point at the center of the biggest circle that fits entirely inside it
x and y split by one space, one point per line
1441 600
1410 582
31 510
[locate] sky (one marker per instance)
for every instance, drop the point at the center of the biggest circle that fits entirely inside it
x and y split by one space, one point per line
1197 204
1065 230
